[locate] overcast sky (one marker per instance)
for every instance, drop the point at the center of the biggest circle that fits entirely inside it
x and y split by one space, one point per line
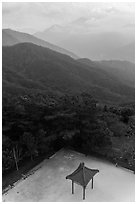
83 17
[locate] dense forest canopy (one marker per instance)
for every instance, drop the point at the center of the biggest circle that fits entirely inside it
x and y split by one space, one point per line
36 124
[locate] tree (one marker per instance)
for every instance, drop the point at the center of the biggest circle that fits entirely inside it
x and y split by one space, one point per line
29 141
128 154
98 137
41 140
131 128
7 154
105 108
126 113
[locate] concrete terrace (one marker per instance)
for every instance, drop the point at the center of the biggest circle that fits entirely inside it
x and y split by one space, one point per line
48 181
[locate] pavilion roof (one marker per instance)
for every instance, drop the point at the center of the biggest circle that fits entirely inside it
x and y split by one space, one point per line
82 175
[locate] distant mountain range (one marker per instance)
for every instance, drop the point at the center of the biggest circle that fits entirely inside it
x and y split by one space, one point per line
28 67
104 46
11 37
95 46
124 71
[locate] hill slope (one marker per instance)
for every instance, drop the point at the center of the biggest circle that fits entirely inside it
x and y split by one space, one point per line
11 37
124 71
61 73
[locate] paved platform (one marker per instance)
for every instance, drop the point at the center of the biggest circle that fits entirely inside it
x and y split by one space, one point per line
48 182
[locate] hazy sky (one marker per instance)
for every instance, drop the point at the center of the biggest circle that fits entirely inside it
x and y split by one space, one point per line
82 17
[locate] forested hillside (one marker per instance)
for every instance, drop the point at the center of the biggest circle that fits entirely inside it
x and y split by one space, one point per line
52 101
37 124
51 71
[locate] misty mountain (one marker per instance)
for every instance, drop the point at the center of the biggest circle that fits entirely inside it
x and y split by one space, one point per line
103 46
96 46
126 52
11 37
43 69
55 34
7 39
124 71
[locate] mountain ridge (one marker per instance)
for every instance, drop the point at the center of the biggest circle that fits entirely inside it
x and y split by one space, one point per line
123 70
12 37
62 73
97 46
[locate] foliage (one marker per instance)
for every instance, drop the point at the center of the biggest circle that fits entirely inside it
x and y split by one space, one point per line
38 124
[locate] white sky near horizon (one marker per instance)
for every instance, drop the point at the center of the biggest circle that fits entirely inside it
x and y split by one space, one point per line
81 17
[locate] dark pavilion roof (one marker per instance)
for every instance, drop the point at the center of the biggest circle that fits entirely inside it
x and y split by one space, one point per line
82 175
